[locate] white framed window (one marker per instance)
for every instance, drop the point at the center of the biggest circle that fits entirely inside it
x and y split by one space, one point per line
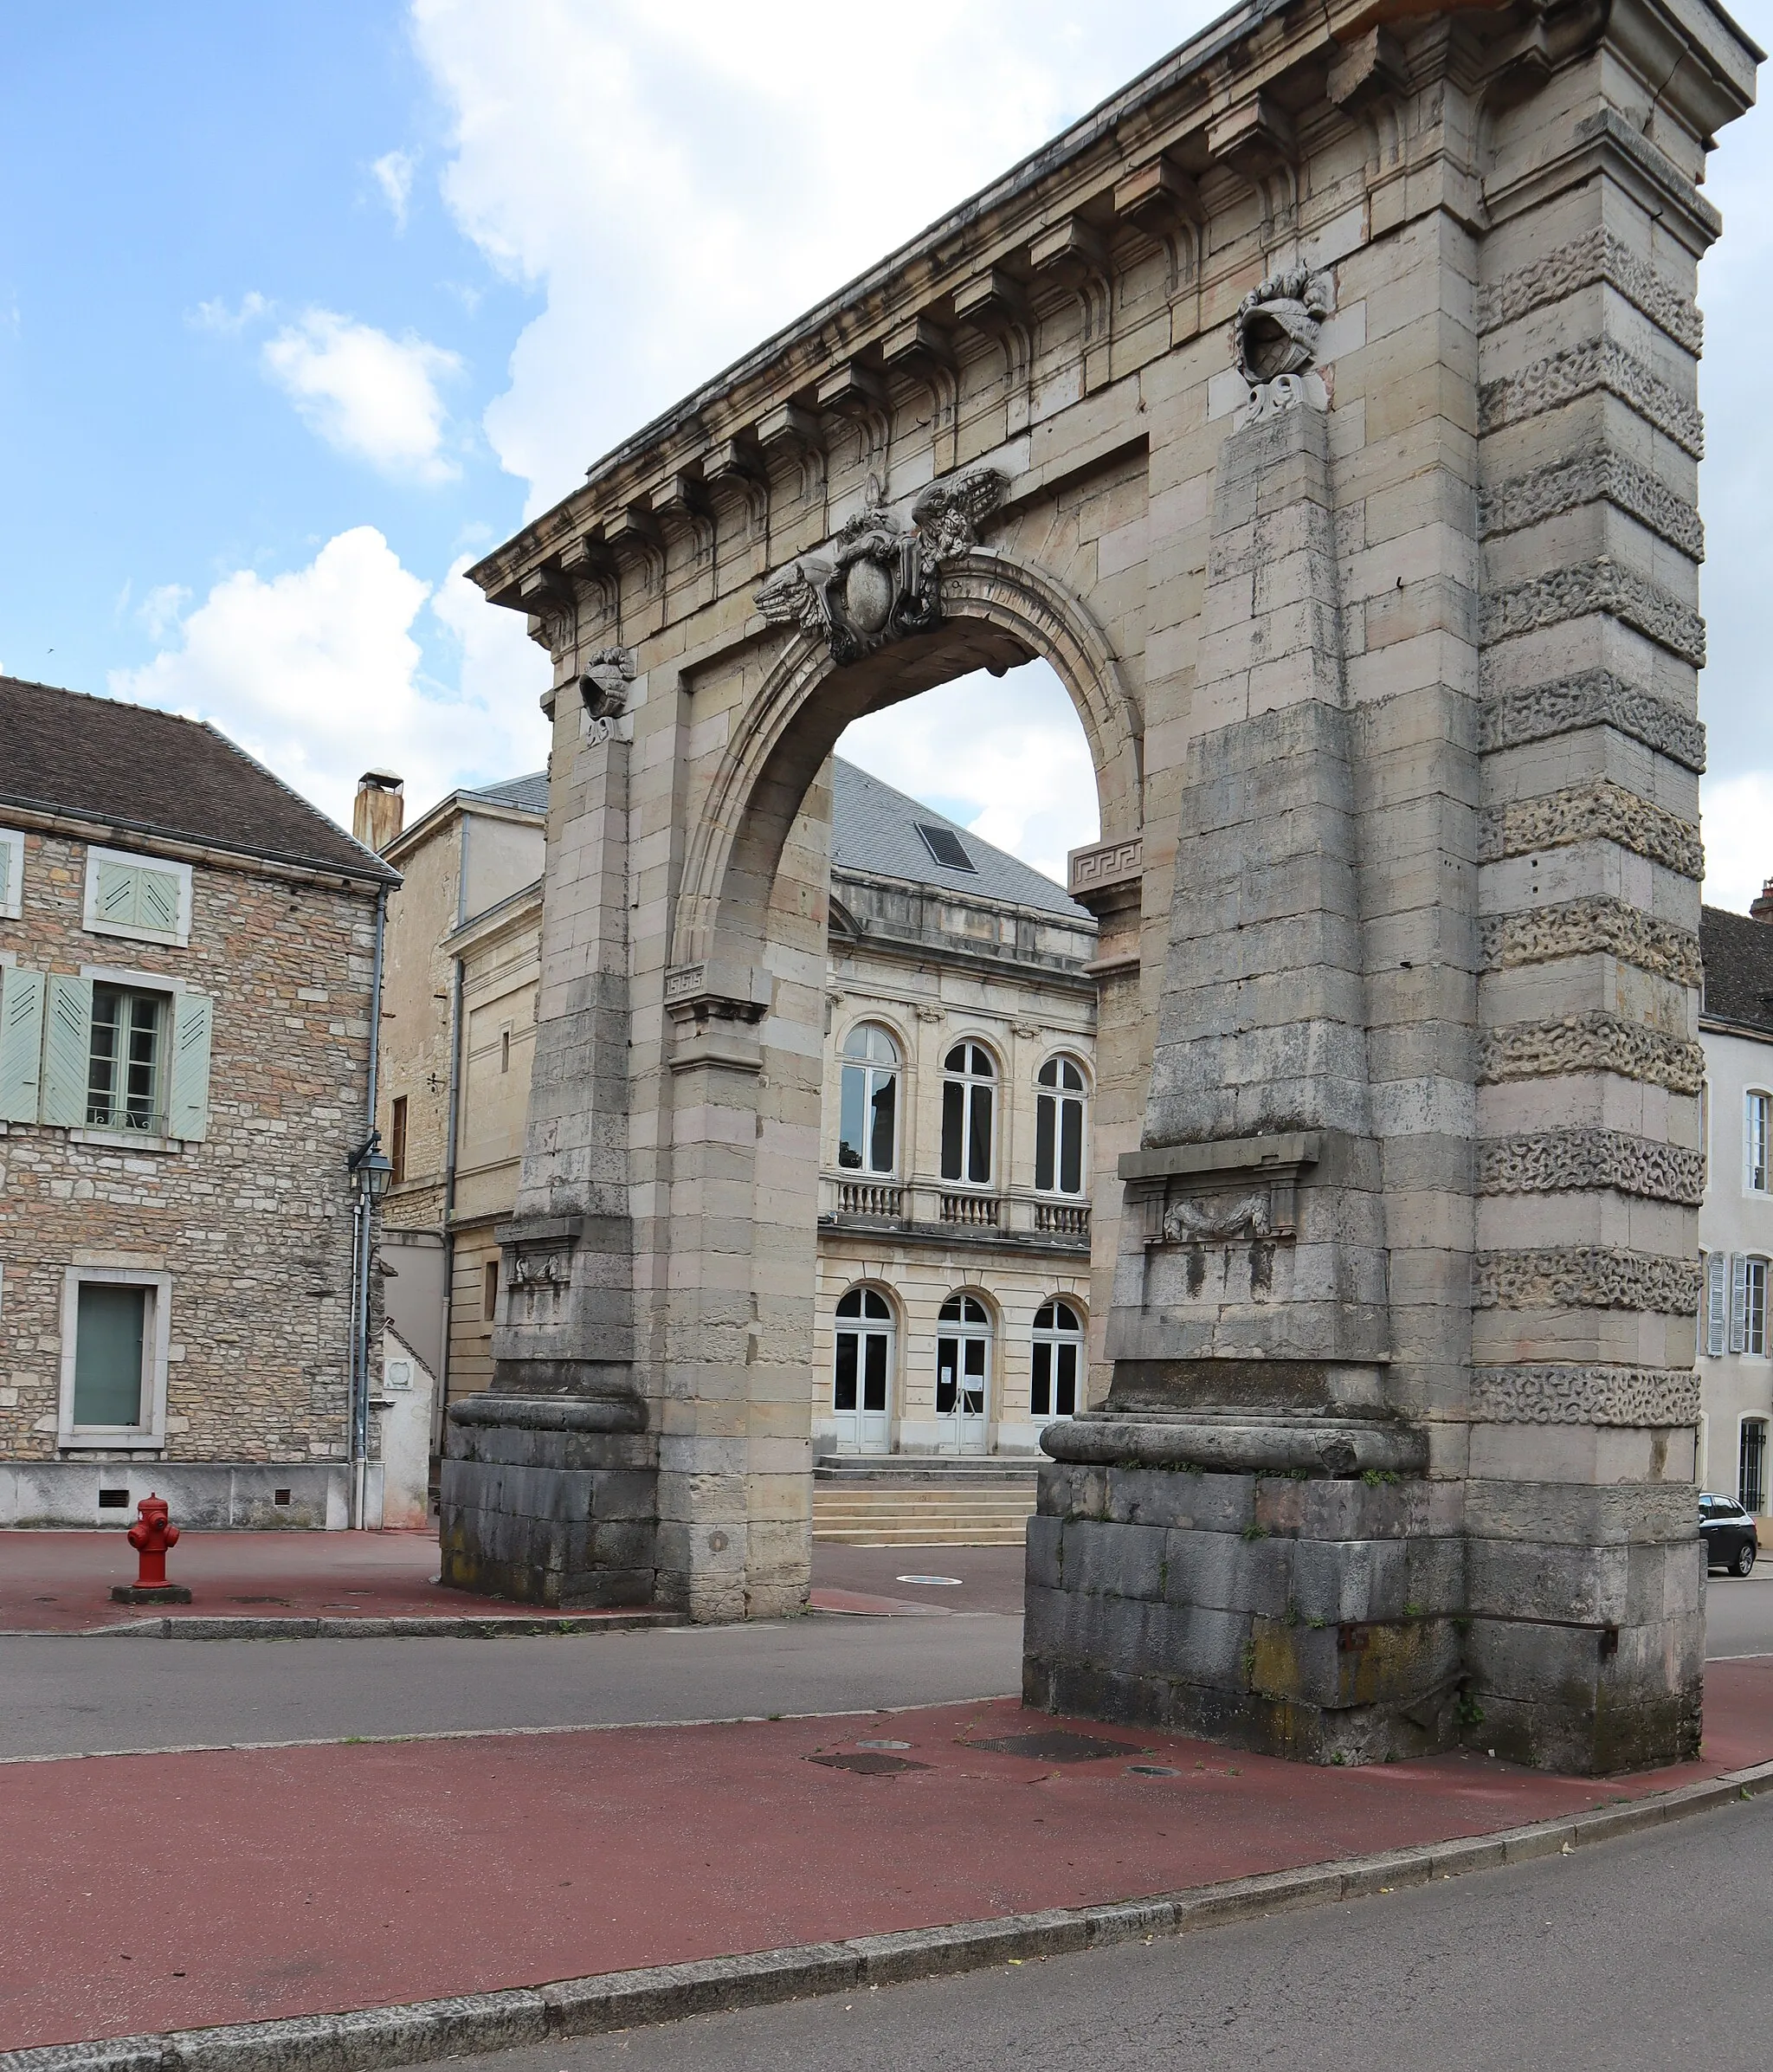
126 1052
1059 1127
147 898
11 873
1758 1129
969 1102
867 1124
116 1338
1751 1465
861 1373
1754 1318
1055 1390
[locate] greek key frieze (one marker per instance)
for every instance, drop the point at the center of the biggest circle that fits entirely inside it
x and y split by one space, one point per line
1640 1396
1601 585
1565 1161
1594 923
1587 1277
1599 811
1601 363
1527 499
1598 256
1597 1042
1596 697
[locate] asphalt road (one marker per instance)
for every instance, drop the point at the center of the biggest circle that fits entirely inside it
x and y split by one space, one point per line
66 1695
1486 1973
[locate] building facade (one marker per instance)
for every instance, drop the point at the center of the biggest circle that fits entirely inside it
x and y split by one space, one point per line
953 1210
1735 1218
187 972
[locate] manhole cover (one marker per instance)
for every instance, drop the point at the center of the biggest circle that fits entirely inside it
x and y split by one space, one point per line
1057 1745
867 1762
933 1582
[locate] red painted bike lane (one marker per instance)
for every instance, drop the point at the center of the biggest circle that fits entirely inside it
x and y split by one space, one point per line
147 1892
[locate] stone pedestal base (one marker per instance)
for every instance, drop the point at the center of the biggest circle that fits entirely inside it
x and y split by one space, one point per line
551 1500
1310 1618
149 1593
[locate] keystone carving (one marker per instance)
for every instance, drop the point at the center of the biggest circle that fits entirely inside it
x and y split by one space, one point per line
878 579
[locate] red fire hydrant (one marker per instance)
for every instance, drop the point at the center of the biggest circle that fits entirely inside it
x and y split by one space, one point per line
151 1535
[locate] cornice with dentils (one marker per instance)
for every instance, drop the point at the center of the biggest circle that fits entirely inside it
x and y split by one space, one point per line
1264 46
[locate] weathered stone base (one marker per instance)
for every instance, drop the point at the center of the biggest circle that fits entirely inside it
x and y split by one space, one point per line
550 1501
1312 1619
209 1495
149 1593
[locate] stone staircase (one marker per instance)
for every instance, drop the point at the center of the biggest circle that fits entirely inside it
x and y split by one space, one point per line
911 1502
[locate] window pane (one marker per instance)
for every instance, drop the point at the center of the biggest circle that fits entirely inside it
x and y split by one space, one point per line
1040 1391
1067 1391
1048 1074
955 1059
1043 1143
978 1158
1070 1077
947 1357
851 1304
873 1305
950 1311
843 1391
885 1096
849 1118
875 1372
1752 1480
107 1354
981 1062
953 1114
1071 1148
1755 1321
102 1071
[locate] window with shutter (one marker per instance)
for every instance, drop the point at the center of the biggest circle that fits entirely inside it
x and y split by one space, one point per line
11 873
1717 1305
129 895
20 1043
1738 1299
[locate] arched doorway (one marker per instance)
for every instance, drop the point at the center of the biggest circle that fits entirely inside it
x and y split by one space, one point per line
964 1342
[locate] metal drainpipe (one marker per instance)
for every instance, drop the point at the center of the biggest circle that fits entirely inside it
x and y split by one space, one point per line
360 1322
453 1124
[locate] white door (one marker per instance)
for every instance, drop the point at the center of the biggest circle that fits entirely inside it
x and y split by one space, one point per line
963 1371
862 1377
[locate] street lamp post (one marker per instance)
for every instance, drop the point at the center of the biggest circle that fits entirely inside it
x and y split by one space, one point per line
370 1171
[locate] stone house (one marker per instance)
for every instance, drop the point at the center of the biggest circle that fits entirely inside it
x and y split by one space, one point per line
953 1208
187 966
1735 1216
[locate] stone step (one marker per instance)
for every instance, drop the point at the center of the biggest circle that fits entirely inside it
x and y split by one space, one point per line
920 1536
952 1516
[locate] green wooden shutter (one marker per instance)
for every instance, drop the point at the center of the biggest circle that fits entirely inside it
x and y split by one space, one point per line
157 899
20 1040
188 1096
115 901
68 1050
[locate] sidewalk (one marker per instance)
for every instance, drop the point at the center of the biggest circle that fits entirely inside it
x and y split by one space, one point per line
148 1893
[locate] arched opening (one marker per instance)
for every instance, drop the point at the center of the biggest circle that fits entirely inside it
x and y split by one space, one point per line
964 1343
862 1371
1056 1384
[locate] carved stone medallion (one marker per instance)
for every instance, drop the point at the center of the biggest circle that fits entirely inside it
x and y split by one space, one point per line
1275 340
878 579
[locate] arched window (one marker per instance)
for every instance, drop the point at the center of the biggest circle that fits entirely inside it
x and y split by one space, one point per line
1059 1127
861 1373
969 1087
867 1123
1059 1352
963 1371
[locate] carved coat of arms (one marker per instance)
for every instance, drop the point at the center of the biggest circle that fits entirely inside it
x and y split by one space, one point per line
1274 338
879 579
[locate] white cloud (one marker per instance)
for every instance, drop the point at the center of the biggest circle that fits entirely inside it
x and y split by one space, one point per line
317 673
1738 824
393 171
160 610
367 394
217 316
1004 755
682 180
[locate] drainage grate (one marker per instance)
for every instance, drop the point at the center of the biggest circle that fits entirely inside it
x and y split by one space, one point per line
1057 1745
866 1762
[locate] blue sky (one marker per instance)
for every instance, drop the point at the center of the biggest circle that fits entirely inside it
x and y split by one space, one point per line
302 306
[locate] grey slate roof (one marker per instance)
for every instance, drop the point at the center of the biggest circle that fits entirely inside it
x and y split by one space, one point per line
1738 954
523 794
874 829
133 767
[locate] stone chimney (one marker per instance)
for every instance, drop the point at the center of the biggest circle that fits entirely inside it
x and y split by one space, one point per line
377 817
1761 910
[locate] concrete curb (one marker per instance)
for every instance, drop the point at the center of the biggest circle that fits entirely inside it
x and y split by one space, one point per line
473 2022
421 1626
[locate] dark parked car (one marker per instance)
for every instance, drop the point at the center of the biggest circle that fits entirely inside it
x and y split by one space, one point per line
1729 1533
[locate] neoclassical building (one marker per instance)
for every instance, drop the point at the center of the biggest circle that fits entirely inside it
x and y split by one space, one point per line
953 1207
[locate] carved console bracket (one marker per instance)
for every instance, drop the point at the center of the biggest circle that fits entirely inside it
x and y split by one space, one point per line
714 1009
1239 1187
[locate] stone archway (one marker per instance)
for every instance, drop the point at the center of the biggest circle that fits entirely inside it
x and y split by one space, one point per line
1339 381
